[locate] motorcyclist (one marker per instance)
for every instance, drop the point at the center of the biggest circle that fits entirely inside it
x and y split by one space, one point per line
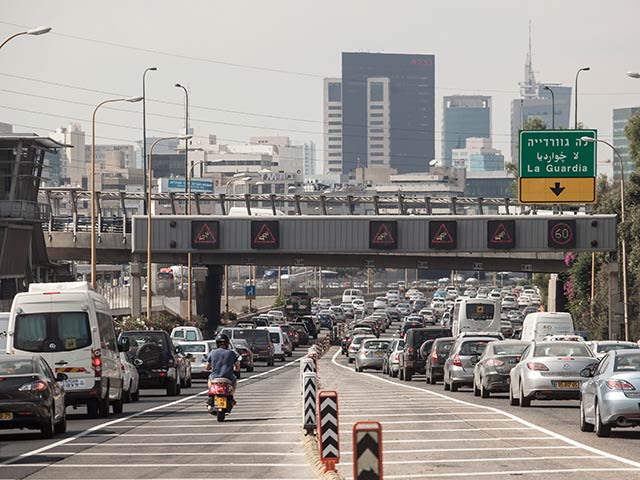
222 361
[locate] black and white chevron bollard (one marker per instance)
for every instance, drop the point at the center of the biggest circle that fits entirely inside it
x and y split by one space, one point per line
367 451
328 431
309 415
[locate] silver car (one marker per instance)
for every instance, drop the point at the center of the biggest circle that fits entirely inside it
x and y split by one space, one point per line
458 368
610 395
198 358
601 347
371 354
354 346
549 371
491 373
391 364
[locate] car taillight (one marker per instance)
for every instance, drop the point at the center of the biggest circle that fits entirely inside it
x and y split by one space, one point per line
619 385
434 357
410 350
494 362
122 366
456 360
536 366
96 361
38 386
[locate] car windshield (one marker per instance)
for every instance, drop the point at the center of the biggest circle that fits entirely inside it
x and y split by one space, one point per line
178 334
193 348
509 349
561 349
9 366
275 337
252 335
628 363
474 347
137 339
52 332
616 346
191 336
444 347
376 345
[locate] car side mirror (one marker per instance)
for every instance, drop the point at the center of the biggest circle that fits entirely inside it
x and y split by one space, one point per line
587 372
123 345
61 377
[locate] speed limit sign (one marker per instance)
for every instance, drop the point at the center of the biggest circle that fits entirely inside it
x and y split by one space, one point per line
562 234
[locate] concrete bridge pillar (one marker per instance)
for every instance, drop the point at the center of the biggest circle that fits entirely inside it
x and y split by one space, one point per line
208 294
136 288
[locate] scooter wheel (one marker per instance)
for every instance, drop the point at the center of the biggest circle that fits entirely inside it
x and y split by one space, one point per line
221 416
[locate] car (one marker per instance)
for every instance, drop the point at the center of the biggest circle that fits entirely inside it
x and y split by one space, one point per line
609 395
410 360
458 367
245 355
259 341
408 325
31 396
292 334
310 321
354 346
326 318
506 328
491 373
549 371
278 316
435 354
403 308
186 334
184 367
323 303
280 341
196 353
601 347
391 359
371 354
338 313
130 379
303 334
154 355
380 302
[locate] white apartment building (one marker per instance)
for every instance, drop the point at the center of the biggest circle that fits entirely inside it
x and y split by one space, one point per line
378 122
332 127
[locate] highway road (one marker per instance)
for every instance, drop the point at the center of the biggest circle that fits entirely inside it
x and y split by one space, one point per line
175 437
429 433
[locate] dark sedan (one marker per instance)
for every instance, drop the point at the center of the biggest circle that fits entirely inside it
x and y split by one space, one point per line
245 354
491 373
31 396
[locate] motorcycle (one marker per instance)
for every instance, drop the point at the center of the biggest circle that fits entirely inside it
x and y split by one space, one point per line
220 400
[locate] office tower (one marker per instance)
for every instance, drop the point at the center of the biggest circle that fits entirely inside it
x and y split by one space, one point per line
621 117
332 126
464 116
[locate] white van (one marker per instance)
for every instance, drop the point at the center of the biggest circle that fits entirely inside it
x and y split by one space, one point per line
538 325
475 315
186 334
71 326
277 338
351 294
4 326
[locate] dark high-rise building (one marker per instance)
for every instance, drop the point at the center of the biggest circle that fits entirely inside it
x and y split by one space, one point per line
464 116
387 111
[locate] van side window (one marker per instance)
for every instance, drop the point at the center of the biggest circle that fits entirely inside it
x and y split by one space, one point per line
107 332
191 336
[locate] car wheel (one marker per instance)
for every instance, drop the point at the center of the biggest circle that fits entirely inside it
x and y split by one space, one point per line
117 406
524 401
103 406
127 394
401 373
453 386
172 389
250 369
61 426
446 386
408 375
135 396
178 386
512 400
189 382
476 390
484 392
238 374
394 373
602 430
183 383
270 362
92 408
584 425
48 427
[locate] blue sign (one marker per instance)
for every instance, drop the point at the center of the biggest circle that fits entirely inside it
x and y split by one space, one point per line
197 186
250 291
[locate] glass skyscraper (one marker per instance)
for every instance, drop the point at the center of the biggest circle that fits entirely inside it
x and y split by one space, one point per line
621 117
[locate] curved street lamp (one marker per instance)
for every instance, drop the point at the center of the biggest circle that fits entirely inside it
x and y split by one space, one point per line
144 131
93 181
583 69
34 31
553 107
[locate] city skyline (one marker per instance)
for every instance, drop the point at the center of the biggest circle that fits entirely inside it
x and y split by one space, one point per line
279 93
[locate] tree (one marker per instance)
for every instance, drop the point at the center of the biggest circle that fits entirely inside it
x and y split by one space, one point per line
632 132
534 123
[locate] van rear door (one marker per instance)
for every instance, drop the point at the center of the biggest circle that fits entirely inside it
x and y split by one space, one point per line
62 335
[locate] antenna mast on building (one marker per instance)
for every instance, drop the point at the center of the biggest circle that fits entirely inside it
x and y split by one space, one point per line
529 88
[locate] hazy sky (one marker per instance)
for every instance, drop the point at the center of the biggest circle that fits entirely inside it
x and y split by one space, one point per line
266 59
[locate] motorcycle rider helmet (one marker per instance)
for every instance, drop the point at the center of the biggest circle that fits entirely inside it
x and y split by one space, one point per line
222 340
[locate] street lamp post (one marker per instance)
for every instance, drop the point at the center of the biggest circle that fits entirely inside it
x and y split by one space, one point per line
553 107
144 131
583 69
93 181
182 137
33 31
623 240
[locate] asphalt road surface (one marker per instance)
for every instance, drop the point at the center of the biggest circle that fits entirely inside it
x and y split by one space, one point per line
174 437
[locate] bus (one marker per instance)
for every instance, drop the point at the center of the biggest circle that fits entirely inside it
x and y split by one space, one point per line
481 315
298 304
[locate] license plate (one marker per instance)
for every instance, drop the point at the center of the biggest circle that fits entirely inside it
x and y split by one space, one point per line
573 385
379 354
6 416
192 359
74 383
220 402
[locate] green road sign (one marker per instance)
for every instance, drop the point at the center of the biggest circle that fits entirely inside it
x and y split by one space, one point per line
556 166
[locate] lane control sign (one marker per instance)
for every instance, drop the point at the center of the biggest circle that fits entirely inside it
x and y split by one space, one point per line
265 234
205 234
383 235
443 235
501 234
562 234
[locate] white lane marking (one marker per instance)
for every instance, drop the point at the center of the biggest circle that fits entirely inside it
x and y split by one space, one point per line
192 434
475 460
431 430
490 449
478 440
64 441
166 465
509 472
180 454
522 421
174 444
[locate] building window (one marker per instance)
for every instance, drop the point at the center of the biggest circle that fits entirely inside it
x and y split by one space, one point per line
335 139
335 92
376 107
335 107
376 115
376 122
376 92
335 115
377 154
335 146
376 145
335 123
376 130
378 139
335 131
335 154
